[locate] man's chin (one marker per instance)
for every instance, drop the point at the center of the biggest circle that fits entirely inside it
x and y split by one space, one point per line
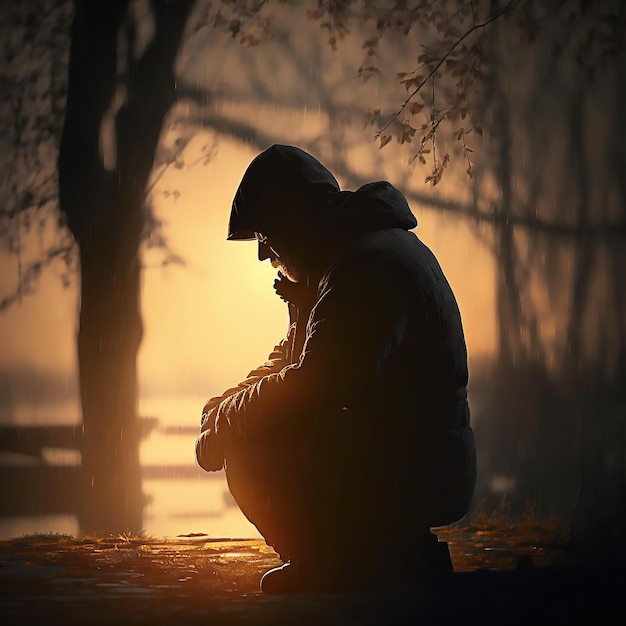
283 272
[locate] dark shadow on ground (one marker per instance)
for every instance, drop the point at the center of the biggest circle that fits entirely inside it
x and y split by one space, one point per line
502 576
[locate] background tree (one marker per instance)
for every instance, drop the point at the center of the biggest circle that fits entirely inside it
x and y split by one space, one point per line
120 87
556 152
112 72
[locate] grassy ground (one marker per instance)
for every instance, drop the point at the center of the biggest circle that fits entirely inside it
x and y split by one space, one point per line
504 573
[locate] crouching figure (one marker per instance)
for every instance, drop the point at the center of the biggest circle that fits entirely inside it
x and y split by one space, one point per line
353 440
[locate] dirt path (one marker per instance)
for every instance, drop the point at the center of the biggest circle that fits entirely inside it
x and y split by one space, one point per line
502 576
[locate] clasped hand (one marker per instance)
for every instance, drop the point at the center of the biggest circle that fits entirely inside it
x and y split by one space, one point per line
210 450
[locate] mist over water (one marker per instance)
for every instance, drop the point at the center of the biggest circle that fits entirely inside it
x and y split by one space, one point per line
198 503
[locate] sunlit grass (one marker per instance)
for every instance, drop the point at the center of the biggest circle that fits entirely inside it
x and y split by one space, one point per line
48 537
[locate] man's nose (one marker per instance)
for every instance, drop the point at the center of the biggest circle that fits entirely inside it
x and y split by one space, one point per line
265 252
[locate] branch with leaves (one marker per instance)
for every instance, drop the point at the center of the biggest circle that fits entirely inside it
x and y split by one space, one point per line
421 81
29 274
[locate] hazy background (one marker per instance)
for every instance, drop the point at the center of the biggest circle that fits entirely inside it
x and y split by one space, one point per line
206 324
532 244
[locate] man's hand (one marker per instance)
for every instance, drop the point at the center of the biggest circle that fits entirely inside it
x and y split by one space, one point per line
300 295
210 450
286 290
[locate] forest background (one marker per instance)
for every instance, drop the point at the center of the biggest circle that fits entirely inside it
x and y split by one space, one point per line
125 128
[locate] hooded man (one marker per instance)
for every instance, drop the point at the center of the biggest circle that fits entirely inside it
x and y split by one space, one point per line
353 440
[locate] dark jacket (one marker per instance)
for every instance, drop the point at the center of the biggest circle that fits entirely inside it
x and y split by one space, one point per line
383 341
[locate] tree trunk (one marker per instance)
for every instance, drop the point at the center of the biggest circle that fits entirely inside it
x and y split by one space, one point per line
108 341
104 209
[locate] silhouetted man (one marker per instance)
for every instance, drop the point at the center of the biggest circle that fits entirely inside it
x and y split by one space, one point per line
353 439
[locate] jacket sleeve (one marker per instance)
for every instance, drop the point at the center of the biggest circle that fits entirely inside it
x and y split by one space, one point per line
277 360
209 448
353 329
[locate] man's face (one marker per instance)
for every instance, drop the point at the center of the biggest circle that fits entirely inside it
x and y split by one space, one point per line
273 250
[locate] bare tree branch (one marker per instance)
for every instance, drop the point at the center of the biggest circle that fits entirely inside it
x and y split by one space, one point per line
253 136
442 60
31 272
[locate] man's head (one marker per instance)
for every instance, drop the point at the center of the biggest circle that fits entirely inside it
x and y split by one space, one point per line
281 201
285 256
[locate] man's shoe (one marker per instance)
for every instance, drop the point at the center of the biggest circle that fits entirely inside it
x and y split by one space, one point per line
296 577
284 579
441 563
431 563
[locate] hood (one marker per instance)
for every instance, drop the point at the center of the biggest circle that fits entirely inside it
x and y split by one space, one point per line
374 206
286 187
283 184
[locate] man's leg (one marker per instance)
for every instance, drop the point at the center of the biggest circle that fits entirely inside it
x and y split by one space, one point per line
274 485
301 487
326 503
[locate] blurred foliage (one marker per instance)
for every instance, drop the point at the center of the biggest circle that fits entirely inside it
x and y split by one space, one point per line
33 83
441 80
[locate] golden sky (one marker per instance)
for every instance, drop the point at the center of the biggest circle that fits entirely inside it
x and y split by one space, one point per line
208 323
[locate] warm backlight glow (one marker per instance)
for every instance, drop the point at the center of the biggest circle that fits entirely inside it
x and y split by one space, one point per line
206 325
